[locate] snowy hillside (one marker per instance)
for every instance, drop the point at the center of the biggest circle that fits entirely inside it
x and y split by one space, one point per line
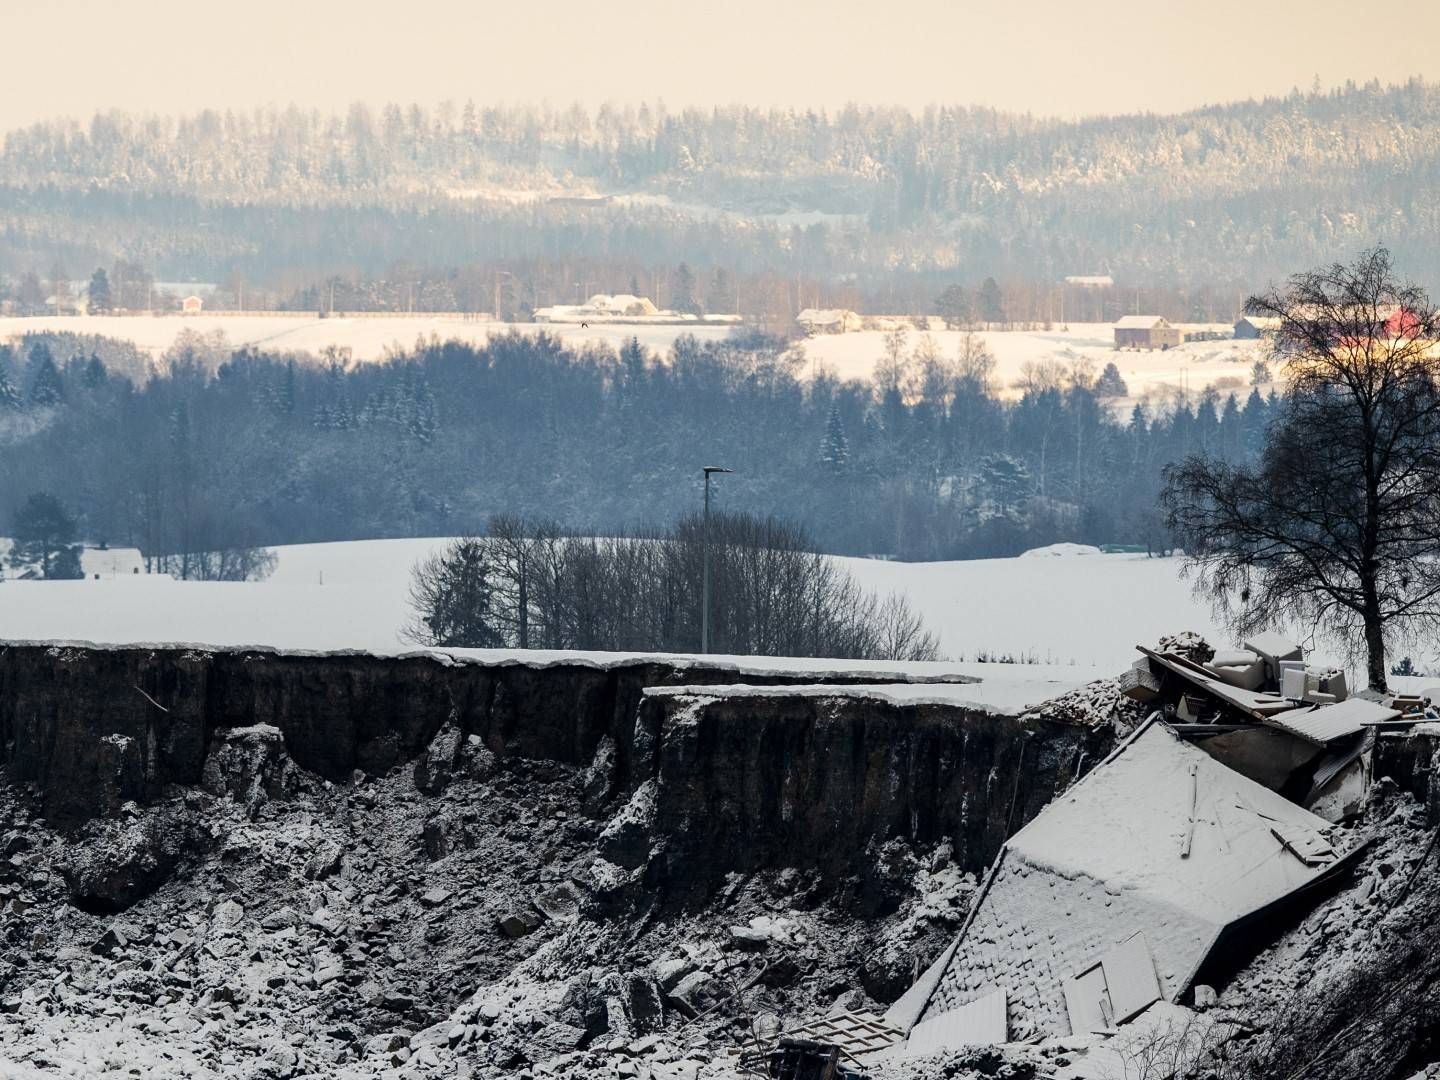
1225 364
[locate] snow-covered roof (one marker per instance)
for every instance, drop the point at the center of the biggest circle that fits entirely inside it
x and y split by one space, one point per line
1160 839
1093 281
1139 322
824 316
622 304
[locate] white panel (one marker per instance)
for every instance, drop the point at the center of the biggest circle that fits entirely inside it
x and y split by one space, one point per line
1088 1002
980 1023
1130 977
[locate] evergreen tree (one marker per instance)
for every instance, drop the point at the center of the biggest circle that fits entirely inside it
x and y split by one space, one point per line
953 305
453 594
45 537
1111 384
93 375
47 388
100 299
10 397
992 303
835 447
721 296
1005 482
684 289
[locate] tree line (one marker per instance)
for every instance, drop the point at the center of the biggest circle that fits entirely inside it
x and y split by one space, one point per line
946 192
223 449
530 583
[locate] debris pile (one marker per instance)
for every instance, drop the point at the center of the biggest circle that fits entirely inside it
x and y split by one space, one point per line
473 913
271 924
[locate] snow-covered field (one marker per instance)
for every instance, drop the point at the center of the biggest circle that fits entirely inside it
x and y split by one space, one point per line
367 338
1194 365
847 356
1073 615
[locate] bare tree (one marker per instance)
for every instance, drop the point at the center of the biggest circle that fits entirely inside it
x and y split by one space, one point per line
1338 522
530 584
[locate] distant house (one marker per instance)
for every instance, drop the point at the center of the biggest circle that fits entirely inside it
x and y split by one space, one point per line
192 304
603 307
1251 327
1090 281
828 321
1146 332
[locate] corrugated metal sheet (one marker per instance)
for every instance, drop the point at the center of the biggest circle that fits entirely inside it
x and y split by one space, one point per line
1130 977
980 1023
1334 763
1325 724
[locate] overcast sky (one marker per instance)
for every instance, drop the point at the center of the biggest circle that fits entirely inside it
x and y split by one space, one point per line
1057 57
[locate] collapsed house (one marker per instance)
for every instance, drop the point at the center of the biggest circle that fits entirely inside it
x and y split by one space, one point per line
1163 868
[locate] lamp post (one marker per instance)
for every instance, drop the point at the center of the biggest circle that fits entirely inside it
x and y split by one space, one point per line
705 573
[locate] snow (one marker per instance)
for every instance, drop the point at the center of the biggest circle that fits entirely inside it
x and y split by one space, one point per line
1124 824
1086 618
369 338
1124 852
1193 365
1060 551
1005 689
846 356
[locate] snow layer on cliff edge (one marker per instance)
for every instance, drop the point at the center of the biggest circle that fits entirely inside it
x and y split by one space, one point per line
1005 689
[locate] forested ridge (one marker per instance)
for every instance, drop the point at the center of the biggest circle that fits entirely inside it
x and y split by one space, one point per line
1227 195
227 449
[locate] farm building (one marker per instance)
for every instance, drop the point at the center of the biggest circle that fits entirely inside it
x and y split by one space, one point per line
192 305
828 321
1146 332
1251 327
603 307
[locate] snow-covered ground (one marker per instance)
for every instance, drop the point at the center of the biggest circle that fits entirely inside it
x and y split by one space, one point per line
1077 610
847 356
367 338
1194 365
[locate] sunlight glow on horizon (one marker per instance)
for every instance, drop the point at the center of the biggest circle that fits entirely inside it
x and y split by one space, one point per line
1047 58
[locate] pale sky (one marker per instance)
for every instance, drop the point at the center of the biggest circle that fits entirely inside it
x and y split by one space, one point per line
1052 57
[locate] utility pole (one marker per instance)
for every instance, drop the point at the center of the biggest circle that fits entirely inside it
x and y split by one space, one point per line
705 572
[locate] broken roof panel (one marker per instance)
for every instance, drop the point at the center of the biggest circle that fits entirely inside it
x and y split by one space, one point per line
1105 861
980 1023
1130 977
1327 724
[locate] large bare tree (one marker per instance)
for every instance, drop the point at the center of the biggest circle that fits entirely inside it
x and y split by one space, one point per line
1337 525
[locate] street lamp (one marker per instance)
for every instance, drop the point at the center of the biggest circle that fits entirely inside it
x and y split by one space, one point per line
705 576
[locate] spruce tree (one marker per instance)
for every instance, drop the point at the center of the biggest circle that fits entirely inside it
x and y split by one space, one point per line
45 537
9 394
101 300
834 447
47 388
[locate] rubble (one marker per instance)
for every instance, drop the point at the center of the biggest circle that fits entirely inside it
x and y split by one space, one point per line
462 913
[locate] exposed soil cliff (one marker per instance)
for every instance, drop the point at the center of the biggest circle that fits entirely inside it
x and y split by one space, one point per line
289 863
